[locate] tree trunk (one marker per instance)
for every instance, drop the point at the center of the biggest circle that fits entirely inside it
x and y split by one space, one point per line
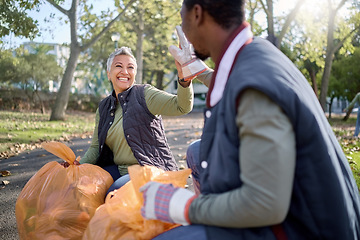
159 79
348 114
312 74
269 11
330 105
150 80
325 80
289 18
139 47
270 21
328 58
42 107
330 51
62 97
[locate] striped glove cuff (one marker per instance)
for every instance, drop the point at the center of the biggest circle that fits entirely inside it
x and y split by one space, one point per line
166 202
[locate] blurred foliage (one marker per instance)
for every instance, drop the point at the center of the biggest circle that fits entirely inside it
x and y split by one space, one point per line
29 69
305 41
14 18
346 75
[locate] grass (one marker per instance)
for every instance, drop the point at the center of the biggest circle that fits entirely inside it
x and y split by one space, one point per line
344 131
21 131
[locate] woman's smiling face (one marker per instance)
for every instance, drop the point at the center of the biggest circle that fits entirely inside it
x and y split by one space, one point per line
122 73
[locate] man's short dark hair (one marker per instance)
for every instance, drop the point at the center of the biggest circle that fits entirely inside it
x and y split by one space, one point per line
225 12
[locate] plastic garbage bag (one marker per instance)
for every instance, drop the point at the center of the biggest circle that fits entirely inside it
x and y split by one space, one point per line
58 202
120 217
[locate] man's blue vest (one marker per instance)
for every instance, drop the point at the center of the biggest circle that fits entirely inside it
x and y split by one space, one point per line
143 131
325 198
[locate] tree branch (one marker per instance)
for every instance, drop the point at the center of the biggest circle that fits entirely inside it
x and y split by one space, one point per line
132 23
339 45
340 5
58 7
96 37
264 7
290 17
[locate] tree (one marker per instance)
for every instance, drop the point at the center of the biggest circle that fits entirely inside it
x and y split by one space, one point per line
273 37
8 65
160 18
160 31
333 46
14 18
30 70
38 68
307 38
253 8
79 43
92 65
346 77
156 20
309 35
137 21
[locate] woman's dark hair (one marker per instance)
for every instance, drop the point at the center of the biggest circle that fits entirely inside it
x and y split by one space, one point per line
225 12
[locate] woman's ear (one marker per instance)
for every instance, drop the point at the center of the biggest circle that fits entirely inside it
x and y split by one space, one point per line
108 75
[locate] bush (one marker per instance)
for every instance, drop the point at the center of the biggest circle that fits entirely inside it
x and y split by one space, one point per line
24 100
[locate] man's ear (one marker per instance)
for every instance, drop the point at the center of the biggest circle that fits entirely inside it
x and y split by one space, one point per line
198 12
108 74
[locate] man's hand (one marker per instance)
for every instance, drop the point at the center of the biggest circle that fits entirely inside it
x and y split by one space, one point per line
166 202
190 65
184 53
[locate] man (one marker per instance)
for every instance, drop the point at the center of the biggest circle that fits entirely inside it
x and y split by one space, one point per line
269 164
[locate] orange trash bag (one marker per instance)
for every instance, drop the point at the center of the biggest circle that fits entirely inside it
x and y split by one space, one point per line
120 217
58 202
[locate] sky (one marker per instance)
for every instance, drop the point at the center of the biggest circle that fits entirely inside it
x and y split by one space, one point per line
55 31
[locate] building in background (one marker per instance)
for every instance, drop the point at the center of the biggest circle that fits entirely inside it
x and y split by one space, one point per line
200 90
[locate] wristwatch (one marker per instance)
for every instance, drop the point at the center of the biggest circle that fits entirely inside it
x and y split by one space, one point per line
181 79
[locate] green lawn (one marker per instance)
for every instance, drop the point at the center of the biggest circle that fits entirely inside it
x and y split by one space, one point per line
350 145
21 131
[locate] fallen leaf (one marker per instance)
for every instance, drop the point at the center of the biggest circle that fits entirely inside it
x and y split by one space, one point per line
5 182
13 164
5 173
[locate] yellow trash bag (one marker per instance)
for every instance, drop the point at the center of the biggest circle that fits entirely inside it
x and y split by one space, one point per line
58 202
120 217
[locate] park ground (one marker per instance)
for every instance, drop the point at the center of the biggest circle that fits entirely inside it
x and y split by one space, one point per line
24 160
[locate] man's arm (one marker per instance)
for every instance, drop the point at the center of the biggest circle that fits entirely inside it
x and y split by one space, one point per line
267 162
205 77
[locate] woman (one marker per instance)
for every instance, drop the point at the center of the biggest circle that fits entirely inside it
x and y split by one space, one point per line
129 128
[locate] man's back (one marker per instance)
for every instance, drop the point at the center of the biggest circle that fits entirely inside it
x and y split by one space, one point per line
325 200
